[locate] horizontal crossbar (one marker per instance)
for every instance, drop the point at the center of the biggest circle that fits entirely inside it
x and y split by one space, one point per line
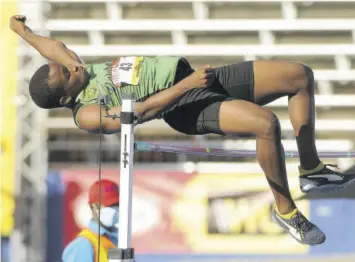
145 146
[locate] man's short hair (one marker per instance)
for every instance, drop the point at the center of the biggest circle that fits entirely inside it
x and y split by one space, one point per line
41 93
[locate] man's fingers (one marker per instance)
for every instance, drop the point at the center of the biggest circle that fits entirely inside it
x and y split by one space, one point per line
21 18
210 75
210 71
207 67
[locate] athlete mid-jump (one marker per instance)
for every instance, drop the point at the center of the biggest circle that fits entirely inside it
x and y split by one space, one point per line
223 100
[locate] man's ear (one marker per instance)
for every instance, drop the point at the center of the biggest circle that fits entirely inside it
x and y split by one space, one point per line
65 100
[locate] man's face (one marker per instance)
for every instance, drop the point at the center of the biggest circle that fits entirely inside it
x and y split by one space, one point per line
109 215
70 81
95 208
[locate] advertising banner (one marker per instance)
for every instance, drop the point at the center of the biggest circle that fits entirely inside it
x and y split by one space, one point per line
179 213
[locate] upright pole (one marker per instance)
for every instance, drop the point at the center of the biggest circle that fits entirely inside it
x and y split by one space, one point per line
124 252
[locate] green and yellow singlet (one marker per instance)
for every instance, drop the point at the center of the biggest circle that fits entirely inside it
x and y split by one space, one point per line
143 76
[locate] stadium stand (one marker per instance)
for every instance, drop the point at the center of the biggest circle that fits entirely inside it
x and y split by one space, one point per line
318 33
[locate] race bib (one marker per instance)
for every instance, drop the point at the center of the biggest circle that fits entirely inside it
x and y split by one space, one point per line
126 71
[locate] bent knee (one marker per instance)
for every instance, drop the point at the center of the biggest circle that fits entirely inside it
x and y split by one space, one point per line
271 128
301 77
286 77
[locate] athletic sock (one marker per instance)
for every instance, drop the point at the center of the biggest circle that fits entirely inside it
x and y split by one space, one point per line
310 171
306 148
289 215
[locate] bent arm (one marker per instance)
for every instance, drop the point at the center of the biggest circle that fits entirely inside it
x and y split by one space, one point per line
157 103
49 48
89 116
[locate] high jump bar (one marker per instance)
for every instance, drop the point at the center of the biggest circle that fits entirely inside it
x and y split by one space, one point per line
206 151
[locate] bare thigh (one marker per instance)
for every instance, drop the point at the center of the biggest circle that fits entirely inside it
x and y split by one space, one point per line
243 117
275 79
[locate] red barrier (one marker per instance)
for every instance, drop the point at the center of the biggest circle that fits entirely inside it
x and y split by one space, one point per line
176 212
153 197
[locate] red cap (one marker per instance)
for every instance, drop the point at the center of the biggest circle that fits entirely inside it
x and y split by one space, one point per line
109 193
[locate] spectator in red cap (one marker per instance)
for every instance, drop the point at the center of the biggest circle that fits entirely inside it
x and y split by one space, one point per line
85 248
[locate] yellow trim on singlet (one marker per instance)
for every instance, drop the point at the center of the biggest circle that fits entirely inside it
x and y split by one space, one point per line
75 116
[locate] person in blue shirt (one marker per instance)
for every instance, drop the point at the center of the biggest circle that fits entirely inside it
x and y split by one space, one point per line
90 244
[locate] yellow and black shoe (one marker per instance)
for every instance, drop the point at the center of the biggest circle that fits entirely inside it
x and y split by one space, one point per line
324 178
299 228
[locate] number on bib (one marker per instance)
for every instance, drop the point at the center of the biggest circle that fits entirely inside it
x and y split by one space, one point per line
127 70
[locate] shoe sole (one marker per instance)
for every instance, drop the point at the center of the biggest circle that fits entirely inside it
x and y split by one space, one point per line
280 224
328 188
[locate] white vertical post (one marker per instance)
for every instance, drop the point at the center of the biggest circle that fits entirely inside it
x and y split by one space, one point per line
124 252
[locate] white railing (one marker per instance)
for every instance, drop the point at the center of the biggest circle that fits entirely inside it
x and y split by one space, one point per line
311 50
322 101
215 50
152 127
319 75
239 25
199 1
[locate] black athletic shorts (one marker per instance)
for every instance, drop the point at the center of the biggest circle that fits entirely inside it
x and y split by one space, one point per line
197 111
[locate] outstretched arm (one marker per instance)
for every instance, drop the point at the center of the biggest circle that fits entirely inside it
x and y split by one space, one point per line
49 48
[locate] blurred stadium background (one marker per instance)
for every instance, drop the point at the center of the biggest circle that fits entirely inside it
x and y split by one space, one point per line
186 208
